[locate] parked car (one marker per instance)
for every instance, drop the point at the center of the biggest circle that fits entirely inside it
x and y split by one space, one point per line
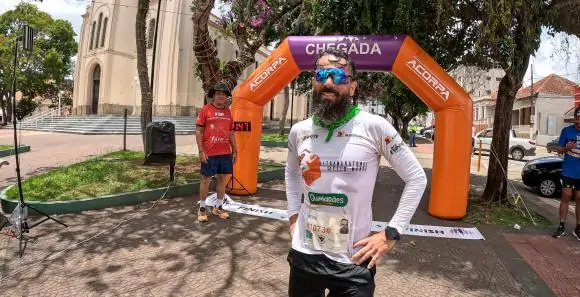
429 133
543 174
518 148
551 146
422 131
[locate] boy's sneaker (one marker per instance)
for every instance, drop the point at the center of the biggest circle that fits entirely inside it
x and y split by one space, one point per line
202 214
561 231
218 211
577 233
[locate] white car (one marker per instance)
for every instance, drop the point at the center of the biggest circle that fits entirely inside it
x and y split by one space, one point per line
518 148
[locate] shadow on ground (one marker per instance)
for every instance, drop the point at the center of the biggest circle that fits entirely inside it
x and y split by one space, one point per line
162 251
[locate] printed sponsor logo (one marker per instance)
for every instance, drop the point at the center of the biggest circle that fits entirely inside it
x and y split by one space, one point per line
215 139
314 136
269 71
255 210
342 133
344 166
356 48
388 139
328 199
435 83
310 167
396 148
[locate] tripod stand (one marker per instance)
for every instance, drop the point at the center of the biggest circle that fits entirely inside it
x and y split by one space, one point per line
19 217
231 181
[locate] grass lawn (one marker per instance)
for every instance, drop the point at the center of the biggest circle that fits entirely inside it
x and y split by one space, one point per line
274 137
7 146
114 173
484 213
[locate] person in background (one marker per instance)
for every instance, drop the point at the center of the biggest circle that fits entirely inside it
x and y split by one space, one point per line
412 133
217 148
569 145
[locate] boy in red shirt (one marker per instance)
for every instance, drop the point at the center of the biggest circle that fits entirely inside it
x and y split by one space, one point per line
217 148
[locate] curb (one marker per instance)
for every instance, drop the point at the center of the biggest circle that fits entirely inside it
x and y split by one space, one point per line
275 144
65 207
10 152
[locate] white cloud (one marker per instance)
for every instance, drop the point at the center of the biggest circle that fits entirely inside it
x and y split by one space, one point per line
557 55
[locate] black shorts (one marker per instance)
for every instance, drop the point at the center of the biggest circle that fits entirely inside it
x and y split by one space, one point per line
568 182
310 275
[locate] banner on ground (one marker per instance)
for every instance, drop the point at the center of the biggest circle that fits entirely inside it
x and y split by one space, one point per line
416 230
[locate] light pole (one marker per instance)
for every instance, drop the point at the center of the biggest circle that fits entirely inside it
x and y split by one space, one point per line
155 48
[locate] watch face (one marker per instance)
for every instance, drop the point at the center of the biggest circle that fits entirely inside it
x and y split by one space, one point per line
392 234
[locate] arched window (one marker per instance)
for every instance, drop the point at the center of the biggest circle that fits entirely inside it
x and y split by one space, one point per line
236 54
99 30
92 35
104 32
151 36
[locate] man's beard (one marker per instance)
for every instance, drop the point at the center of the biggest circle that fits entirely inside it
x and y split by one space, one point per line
329 111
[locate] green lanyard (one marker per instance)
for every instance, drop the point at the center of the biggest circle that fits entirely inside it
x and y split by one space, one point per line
351 113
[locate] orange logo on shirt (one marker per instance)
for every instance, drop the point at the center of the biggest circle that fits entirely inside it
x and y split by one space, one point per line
311 170
388 139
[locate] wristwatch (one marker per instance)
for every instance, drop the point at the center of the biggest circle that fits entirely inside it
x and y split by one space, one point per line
392 233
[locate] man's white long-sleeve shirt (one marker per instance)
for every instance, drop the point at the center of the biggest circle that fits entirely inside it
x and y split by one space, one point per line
337 178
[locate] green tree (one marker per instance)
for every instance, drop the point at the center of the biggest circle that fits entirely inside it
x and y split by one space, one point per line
42 71
251 23
442 41
506 33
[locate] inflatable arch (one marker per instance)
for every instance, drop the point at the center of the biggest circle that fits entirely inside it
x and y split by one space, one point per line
399 54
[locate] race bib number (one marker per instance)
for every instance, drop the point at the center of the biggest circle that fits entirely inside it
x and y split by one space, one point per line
327 232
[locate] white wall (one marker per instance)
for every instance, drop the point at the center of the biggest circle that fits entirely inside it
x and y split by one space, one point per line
550 117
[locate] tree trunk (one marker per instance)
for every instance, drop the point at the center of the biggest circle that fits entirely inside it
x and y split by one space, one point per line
3 107
282 122
396 123
404 130
496 187
203 47
9 107
142 69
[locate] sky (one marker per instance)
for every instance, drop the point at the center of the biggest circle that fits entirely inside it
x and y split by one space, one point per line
550 58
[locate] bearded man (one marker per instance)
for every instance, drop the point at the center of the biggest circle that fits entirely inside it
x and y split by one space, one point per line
333 162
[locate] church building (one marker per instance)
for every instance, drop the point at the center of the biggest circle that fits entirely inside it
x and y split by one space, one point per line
105 77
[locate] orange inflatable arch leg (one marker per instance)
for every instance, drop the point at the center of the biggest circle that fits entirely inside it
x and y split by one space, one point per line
399 54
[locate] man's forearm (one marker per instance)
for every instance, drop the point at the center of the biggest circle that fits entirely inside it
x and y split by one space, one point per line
233 142
561 150
199 139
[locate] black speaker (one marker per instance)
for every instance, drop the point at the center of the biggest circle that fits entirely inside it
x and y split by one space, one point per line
160 143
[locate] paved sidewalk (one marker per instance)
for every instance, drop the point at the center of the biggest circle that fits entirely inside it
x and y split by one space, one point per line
556 261
164 252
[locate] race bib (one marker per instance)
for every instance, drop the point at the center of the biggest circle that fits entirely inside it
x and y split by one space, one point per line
328 232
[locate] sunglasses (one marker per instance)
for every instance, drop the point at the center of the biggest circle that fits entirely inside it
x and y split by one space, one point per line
339 76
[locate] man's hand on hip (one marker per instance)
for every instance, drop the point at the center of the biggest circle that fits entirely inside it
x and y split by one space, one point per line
374 247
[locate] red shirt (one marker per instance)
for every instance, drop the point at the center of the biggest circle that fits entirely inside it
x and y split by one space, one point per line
217 124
